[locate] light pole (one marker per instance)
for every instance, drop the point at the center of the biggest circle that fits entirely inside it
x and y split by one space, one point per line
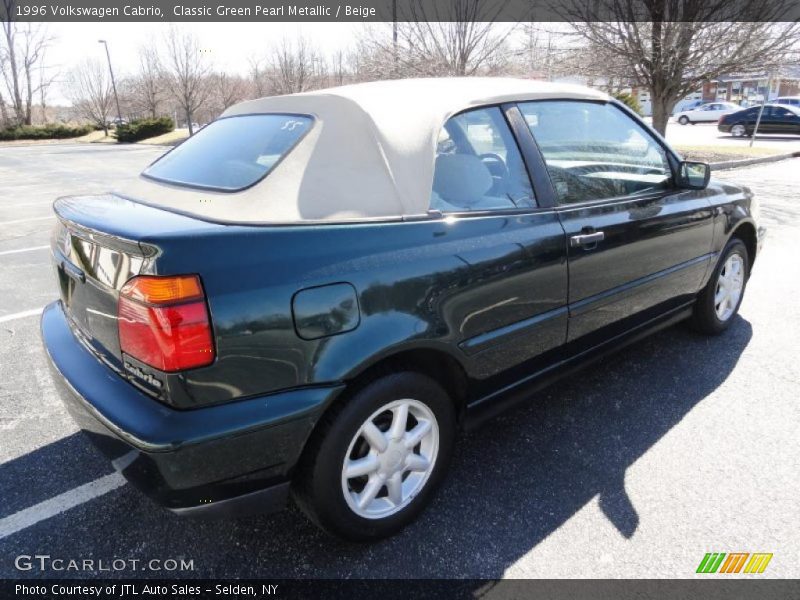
113 83
761 110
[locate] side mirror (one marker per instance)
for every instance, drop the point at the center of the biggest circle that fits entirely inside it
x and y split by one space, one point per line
693 175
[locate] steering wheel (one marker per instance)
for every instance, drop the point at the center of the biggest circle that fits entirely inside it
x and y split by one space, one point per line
495 164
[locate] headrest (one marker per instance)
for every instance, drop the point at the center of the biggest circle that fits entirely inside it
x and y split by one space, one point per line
461 179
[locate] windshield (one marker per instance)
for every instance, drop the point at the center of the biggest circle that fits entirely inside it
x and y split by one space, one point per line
231 153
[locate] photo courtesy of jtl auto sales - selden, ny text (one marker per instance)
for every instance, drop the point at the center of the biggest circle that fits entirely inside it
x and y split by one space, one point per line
400 299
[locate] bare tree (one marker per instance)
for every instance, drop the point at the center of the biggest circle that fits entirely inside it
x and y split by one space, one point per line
22 50
671 48
544 53
88 87
374 57
150 84
259 78
454 37
46 79
4 118
226 90
295 66
187 69
339 71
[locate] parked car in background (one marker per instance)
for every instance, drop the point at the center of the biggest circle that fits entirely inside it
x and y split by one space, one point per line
775 118
705 113
317 292
787 100
688 103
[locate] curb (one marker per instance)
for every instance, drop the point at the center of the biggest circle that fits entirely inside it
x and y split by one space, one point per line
29 143
733 164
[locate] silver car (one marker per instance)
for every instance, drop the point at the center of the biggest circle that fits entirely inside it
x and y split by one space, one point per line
706 113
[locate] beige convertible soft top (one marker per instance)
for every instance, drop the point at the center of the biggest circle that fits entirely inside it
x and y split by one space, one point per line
369 154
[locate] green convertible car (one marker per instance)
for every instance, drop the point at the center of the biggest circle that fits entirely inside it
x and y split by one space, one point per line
315 294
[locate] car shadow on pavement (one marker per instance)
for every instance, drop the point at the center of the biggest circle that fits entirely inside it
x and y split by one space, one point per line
512 483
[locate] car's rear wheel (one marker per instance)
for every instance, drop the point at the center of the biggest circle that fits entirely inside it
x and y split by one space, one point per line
738 130
683 120
376 460
719 301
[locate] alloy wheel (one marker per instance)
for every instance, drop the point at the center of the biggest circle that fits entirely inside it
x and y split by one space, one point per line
738 130
730 285
390 459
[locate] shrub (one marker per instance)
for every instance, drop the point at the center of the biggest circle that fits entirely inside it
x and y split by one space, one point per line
141 129
630 101
51 131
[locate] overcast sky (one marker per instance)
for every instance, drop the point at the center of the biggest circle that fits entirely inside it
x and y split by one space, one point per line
231 44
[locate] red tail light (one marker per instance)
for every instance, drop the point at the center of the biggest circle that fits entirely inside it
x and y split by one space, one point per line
163 322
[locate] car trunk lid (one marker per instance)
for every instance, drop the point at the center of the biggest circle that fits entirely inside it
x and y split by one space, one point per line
99 243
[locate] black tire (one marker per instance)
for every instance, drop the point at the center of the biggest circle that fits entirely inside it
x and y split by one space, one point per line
734 129
704 317
684 120
317 488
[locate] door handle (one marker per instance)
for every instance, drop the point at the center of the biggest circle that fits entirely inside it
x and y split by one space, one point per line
586 239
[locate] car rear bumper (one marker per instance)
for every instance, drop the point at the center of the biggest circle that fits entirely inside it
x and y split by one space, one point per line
224 459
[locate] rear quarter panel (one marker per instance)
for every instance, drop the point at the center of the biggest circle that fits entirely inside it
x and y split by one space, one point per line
420 284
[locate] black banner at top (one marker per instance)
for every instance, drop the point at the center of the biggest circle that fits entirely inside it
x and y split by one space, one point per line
399 10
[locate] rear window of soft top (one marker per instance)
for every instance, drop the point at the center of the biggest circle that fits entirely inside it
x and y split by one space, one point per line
232 153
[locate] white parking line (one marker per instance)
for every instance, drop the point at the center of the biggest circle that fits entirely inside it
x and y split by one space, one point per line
4 252
58 504
21 315
25 220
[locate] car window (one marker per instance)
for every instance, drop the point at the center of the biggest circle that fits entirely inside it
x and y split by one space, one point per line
594 150
232 153
479 166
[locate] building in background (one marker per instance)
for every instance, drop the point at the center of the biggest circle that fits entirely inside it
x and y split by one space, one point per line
751 88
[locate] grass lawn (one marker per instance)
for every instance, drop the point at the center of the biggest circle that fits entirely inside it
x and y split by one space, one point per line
172 138
722 153
97 137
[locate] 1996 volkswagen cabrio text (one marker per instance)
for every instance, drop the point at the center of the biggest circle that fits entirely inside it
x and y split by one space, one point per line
312 296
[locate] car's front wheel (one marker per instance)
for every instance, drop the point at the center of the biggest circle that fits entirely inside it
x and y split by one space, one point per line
376 459
683 120
738 130
719 301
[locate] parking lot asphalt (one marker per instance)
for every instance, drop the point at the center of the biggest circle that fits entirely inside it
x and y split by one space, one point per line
677 446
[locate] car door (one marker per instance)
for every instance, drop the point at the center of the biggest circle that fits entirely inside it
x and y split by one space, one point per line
717 111
767 123
510 303
786 121
709 112
637 245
